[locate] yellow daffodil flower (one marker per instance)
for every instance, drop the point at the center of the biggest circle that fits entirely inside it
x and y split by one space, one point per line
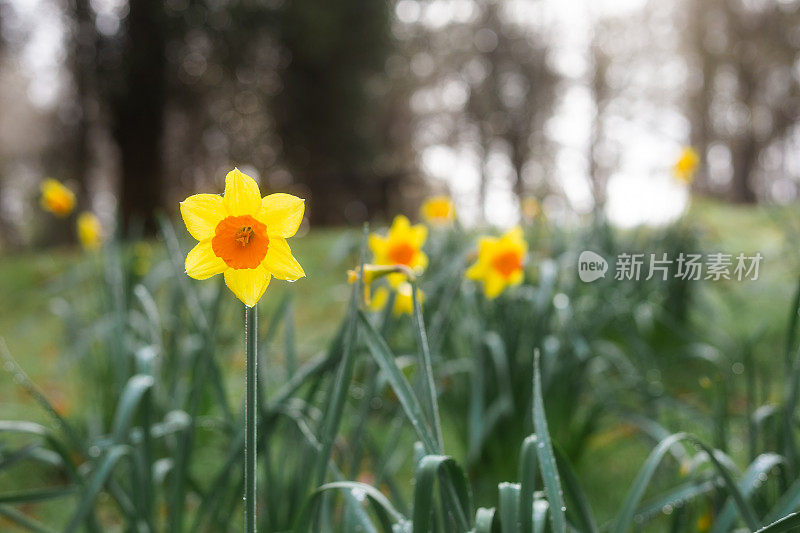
90 231
530 208
403 300
686 166
704 522
500 261
57 198
243 236
438 210
402 246
373 272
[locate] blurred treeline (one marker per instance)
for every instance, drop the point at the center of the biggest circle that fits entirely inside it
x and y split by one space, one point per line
339 101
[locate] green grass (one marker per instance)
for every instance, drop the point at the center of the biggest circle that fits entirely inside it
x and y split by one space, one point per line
35 284
32 284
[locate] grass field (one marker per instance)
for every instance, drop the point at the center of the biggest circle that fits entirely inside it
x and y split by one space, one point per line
35 322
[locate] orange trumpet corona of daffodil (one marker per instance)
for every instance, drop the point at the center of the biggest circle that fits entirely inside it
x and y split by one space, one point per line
686 165
401 246
90 231
243 236
500 261
438 210
57 198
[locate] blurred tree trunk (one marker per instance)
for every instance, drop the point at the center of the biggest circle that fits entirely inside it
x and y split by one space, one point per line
3 7
82 64
745 147
700 99
8 236
483 185
330 120
600 93
5 229
511 104
752 48
138 116
520 151
745 154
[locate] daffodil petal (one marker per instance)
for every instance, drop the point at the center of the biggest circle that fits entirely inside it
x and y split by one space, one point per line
202 262
378 245
400 225
485 245
493 285
90 231
420 262
404 301
403 305
282 213
514 239
396 278
379 299
248 284
515 234
418 235
242 196
280 262
476 271
201 213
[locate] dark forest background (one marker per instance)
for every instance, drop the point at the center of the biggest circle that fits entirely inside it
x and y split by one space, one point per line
336 100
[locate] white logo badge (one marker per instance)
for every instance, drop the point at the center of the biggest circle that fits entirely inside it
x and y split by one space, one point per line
591 266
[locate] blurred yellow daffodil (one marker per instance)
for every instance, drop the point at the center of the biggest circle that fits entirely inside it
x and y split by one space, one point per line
57 198
500 261
686 166
530 208
373 272
704 522
402 246
438 210
243 236
403 300
90 231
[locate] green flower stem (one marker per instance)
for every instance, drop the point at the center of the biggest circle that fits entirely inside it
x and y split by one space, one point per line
250 408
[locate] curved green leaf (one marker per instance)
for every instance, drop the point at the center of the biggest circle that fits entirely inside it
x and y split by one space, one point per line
528 465
509 507
23 520
787 523
752 479
455 486
400 385
579 505
96 482
485 522
547 460
132 394
387 515
36 495
639 485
